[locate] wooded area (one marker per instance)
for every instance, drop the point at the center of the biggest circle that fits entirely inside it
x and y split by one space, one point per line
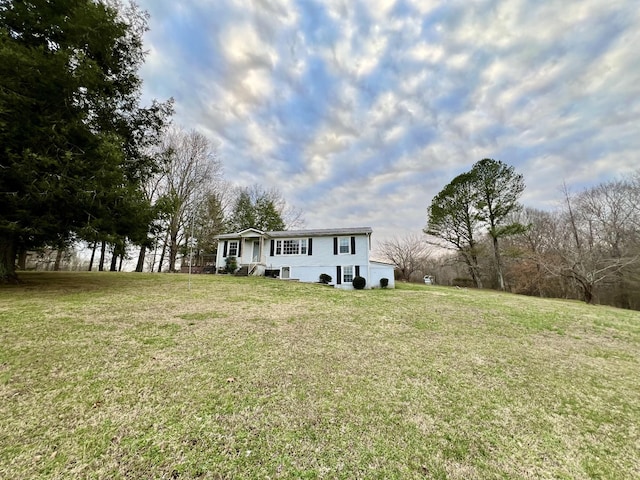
588 248
84 162
75 139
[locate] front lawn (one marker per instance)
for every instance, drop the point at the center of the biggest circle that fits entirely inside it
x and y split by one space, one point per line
106 375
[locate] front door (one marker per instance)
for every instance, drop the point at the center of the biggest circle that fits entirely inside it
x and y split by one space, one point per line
256 251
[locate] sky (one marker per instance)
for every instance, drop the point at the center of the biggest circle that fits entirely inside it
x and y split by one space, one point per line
360 112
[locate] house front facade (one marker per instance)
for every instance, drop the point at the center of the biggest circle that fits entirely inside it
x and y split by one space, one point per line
304 255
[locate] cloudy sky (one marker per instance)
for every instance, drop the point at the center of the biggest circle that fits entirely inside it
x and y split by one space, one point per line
360 111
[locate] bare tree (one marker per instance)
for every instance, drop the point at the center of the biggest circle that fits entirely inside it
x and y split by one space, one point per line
530 251
153 192
192 171
610 213
409 253
634 199
593 243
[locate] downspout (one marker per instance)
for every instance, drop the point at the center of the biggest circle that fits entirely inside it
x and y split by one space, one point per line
369 262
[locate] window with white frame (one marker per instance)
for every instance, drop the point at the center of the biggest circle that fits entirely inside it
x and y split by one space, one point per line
233 249
347 274
291 247
344 245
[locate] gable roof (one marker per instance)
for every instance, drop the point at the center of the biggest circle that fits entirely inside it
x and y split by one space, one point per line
380 262
247 232
322 232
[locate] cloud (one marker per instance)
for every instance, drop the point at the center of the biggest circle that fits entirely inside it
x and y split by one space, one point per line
361 111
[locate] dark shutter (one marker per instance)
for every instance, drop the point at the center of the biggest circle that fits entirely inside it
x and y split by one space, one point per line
239 248
224 249
272 247
357 270
353 245
335 245
338 275
310 246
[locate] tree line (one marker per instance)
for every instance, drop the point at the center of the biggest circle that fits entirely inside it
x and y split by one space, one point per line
193 203
478 234
186 203
82 159
75 137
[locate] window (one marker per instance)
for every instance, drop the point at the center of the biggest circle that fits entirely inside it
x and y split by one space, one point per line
344 245
347 274
291 247
233 249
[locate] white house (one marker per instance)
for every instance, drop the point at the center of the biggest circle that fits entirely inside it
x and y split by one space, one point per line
341 253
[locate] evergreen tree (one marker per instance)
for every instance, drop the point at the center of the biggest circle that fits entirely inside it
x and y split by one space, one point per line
498 189
486 196
453 218
72 132
257 208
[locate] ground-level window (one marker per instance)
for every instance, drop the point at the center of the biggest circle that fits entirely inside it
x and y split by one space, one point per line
233 249
347 274
345 244
291 247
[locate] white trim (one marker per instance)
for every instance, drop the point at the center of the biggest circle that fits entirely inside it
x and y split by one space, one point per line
301 247
343 272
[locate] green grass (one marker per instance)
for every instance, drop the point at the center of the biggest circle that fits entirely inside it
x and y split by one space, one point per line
107 375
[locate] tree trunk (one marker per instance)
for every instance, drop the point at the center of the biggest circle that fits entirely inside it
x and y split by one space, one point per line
8 259
587 289
498 258
93 254
102 252
114 260
173 252
164 251
621 294
56 264
22 259
141 255
120 262
472 265
476 271
588 294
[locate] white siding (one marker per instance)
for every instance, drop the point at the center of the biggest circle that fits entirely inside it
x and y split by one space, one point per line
381 270
246 251
307 268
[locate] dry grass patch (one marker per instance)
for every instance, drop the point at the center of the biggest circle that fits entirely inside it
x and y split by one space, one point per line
136 376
